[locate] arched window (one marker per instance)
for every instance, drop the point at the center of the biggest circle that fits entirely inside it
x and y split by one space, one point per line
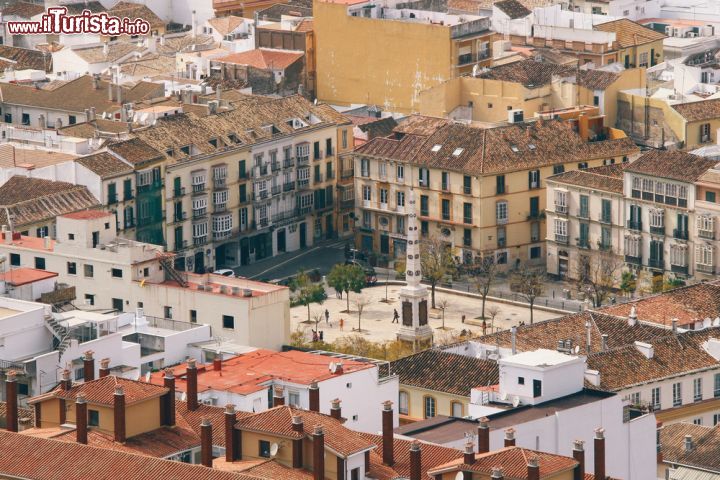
429 407
403 403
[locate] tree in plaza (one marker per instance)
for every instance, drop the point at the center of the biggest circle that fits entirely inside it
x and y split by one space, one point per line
436 261
628 282
529 283
307 292
443 304
347 278
360 303
493 312
598 274
483 276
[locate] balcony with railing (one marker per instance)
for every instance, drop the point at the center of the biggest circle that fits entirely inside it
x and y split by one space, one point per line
656 263
288 187
260 195
657 229
318 178
178 192
681 269
201 240
198 188
260 170
128 195
112 198
347 173
275 166
583 242
561 238
329 152
706 234
633 260
219 183
220 208
221 235
289 163
680 234
180 245
561 209
179 216
305 210
469 58
303 183
702 268
275 190
304 160
634 225
263 222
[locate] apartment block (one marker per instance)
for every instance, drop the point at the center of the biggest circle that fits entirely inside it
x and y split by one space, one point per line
482 191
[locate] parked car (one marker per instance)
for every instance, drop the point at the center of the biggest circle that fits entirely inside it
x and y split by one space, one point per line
225 272
370 274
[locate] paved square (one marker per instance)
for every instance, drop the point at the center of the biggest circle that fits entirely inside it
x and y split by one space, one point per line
376 321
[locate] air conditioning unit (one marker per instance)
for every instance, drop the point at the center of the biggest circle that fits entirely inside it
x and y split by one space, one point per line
516 116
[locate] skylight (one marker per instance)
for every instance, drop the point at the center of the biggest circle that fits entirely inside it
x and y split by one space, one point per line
514 148
436 148
457 152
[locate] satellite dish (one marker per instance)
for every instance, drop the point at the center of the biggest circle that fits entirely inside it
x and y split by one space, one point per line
333 367
460 476
147 377
503 396
184 397
576 349
274 449
516 401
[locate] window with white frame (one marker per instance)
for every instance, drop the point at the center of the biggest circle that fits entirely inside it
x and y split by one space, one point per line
704 255
561 201
222 223
200 229
501 212
262 213
657 218
697 389
365 167
706 224
400 224
716 419
636 183
561 229
383 195
367 193
306 200
671 190
303 174
682 192
198 178
647 185
655 398
401 199
220 172
261 188
635 398
677 394
199 203
400 173
382 169
659 189
367 218
303 150
643 59
678 255
220 198
632 245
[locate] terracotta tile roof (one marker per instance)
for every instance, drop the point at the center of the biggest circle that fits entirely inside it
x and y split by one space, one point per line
26 416
672 164
32 200
306 25
514 461
475 6
77 95
148 65
606 178
497 150
115 51
23 9
102 391
698 111
378 127
530 73
190 420
705 440
158 443
105 165
546 334
513 8
630 33
263 58
92 128
293 9
23 276
596 79
136 10
265 469
445 372
226 25
183 43
689 304
28 457
251 371
135 151
87 215
673 355
77 8
25 58
278 421
432 455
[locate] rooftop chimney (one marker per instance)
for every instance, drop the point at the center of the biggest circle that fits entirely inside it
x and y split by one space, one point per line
387 433
579 456
604 340
217 363
533 469
169 400
335 411
194 24
674 325
95 84
66 382
297 444
588 334
632 318
11 401
688 443
81 419
469 455
483 435
415 461
278 396
104 368
119 414
318 453
233 451
497 473
314 397
89 366
513 338
645 348
510 437
206 442
600 454
191 378
297 423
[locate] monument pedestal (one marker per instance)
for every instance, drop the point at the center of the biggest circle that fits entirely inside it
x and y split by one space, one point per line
414 327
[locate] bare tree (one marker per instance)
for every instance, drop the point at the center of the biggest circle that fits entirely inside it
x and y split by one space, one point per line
318 316
360 303
436 261
493 311
530 284
599 274
443 304
483 276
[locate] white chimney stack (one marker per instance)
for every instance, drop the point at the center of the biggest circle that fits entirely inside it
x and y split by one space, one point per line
645 348
632 318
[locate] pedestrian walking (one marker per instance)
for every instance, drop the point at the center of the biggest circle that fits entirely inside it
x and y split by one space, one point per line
342 324
321 336
327 316
315 336
396 316
463 318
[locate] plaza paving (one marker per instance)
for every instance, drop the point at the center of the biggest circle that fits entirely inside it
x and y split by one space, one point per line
376 322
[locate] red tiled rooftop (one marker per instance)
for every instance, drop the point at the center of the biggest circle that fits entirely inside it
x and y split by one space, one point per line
102 391
215 283
87 214
263 58
514 461
32 243
251 372
23 276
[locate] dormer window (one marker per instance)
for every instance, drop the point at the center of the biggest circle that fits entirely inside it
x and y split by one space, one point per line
233 138
185 149
213 142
